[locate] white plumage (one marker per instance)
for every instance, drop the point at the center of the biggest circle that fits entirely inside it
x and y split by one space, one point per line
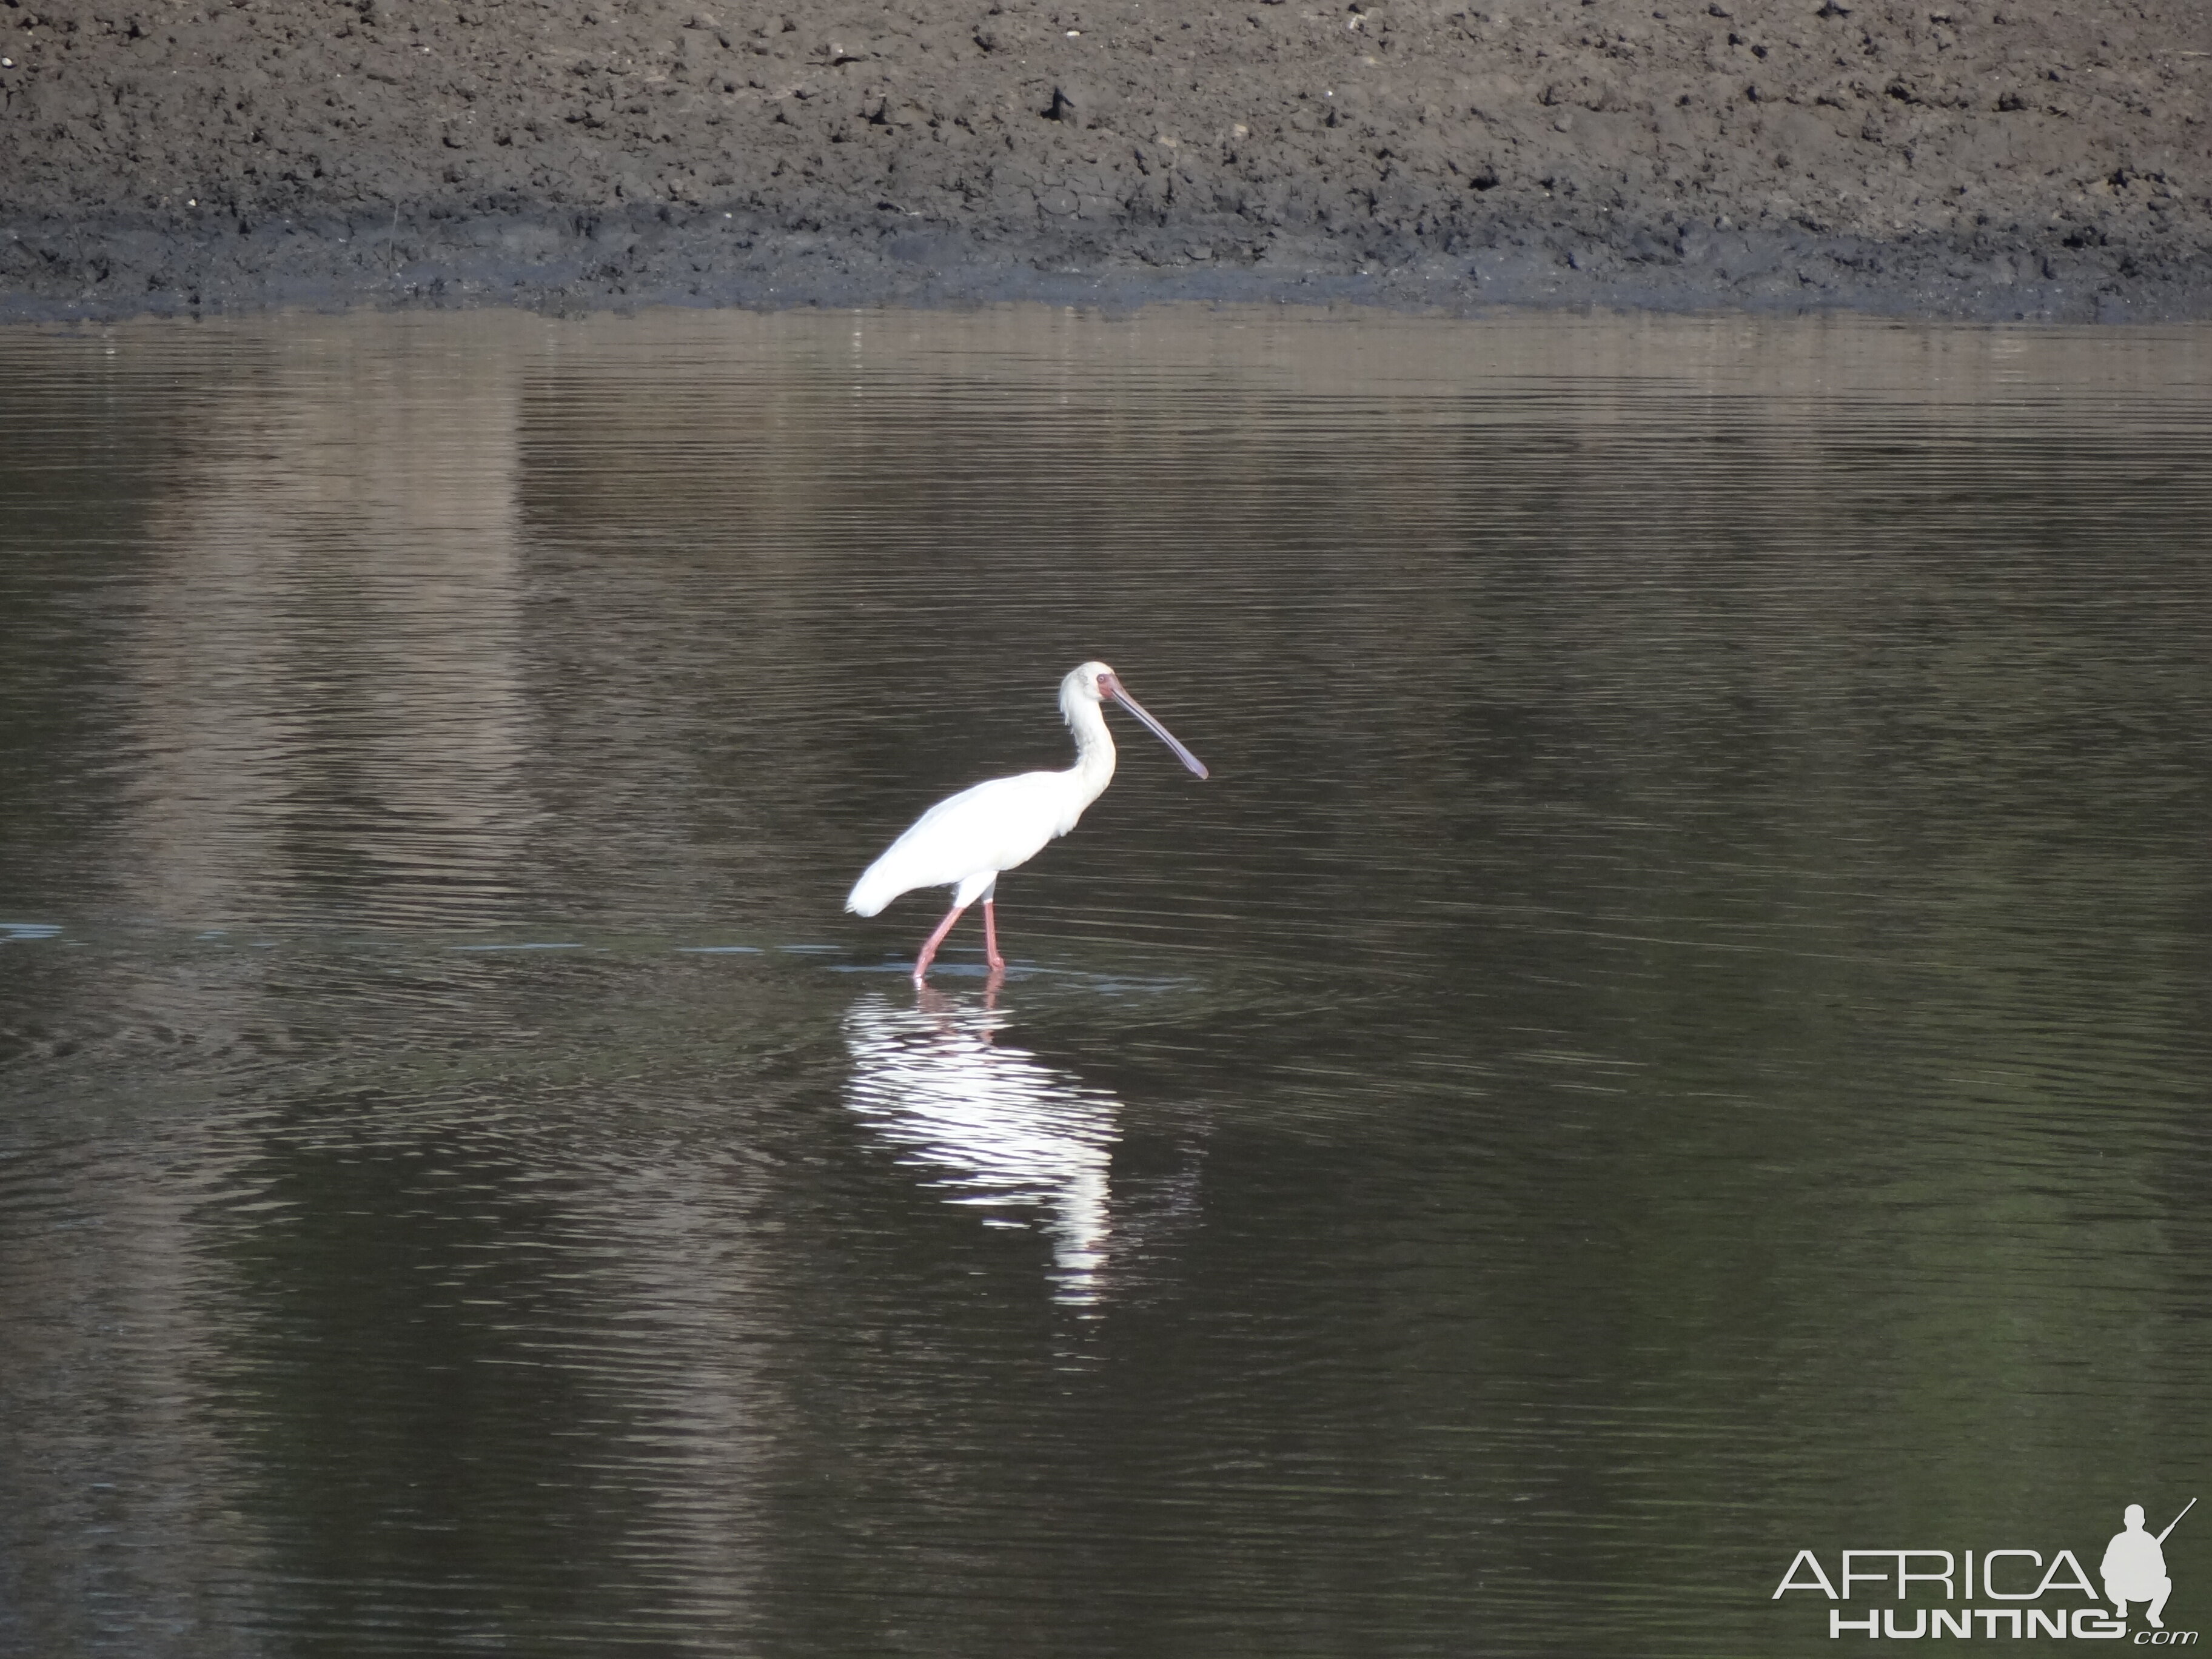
964 842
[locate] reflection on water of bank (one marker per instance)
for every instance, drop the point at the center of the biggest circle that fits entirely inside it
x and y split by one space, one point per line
324 682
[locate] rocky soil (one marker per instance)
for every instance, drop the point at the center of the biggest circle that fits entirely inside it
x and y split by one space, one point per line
2014 159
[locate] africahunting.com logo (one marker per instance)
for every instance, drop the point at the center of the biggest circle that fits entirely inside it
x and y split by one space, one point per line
1947 1586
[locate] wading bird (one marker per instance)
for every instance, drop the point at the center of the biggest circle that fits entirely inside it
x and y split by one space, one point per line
964 842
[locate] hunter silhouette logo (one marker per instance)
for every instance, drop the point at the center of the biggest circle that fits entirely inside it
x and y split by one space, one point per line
2033 1594
2135 1565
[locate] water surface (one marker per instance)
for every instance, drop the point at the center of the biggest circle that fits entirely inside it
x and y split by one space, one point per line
1675 1033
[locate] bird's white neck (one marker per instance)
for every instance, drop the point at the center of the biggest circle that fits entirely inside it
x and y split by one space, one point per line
1094 749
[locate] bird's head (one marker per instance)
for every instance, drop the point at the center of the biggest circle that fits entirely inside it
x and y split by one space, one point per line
1094 683
1093 680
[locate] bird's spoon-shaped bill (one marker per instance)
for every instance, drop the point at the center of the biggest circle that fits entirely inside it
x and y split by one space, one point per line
1112 685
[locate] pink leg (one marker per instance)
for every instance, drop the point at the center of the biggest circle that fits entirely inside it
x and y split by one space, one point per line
991 936
929 946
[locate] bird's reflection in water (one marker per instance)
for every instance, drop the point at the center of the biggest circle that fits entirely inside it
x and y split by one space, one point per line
992 1125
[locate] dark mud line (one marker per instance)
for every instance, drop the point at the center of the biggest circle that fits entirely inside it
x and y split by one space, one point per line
559 261
1972 162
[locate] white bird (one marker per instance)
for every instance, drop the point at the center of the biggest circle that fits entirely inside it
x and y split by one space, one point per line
964 842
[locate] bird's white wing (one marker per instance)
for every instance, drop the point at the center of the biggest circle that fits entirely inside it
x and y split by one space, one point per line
993 826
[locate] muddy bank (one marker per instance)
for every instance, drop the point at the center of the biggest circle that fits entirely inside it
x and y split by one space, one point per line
1973 159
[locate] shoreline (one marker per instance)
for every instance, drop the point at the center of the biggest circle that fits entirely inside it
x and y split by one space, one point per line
1983 163
561 260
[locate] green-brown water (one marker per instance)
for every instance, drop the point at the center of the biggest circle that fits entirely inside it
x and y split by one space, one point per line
1676 1034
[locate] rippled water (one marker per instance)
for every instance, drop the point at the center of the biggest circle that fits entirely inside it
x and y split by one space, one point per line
1677 1032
